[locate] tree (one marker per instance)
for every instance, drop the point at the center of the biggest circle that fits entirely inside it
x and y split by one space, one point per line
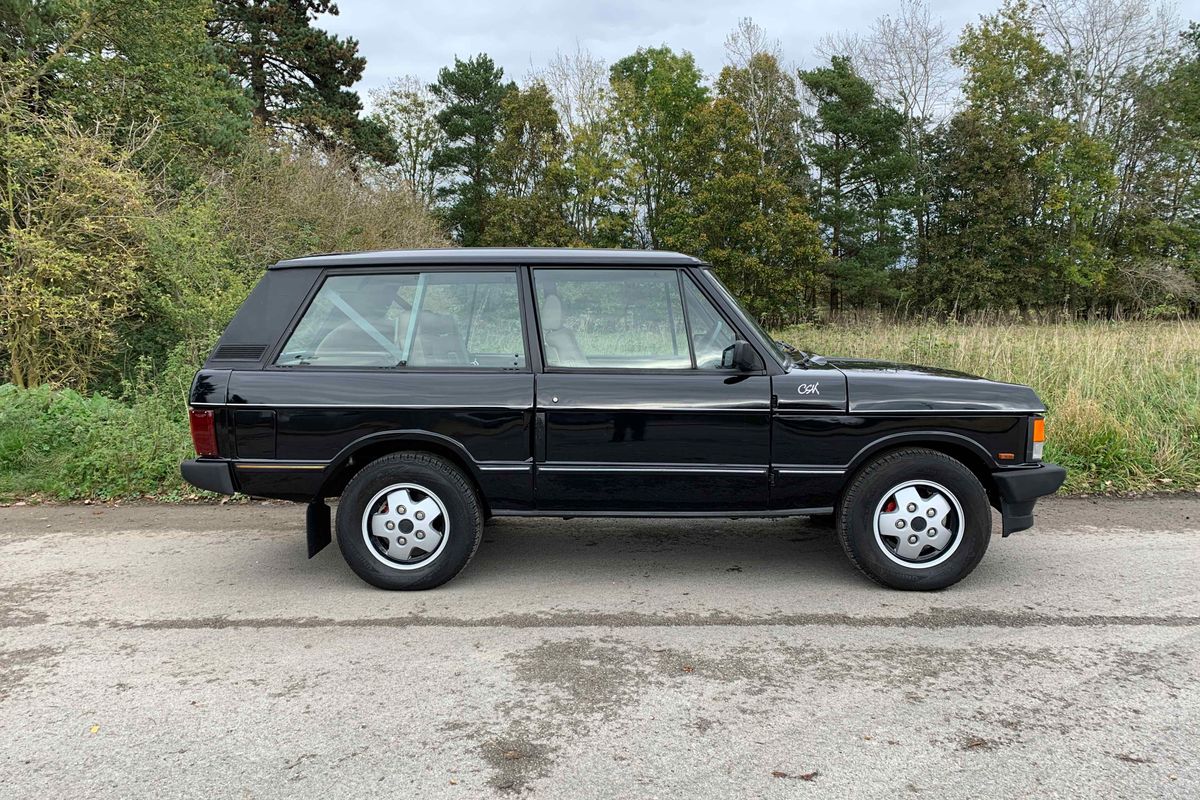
1103 43
126 66
72 208
527 207
655 90
906 59
471 94
1154 234
742 217
1022 187
298 76
766 93
579 86
409 110
861 171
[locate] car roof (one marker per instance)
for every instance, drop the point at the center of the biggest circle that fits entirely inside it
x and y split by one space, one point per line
556 256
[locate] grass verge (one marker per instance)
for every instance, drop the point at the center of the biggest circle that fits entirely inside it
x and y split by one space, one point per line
1123 400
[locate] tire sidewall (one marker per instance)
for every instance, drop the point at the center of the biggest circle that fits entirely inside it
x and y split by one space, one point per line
857 520
462 509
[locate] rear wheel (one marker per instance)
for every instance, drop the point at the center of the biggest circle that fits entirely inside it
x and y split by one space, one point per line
409 521
915 519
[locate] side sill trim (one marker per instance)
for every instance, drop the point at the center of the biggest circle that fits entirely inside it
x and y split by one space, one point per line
277 465
412 406
716 469
762 513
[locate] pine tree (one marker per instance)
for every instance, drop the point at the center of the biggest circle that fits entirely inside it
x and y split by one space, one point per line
298 76
861 170
471 94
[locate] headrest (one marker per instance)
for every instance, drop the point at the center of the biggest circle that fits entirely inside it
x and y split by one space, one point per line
551 313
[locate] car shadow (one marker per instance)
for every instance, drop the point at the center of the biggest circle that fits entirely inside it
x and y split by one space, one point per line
548 551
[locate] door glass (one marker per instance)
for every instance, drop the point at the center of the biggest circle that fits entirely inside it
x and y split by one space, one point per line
710 333
429 319
612 318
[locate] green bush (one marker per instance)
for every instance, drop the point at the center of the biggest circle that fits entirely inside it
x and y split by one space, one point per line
65 445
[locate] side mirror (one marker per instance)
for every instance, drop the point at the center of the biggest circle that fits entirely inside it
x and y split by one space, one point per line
740 356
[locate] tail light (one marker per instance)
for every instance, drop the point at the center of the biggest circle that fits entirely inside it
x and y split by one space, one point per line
1037 429
204 431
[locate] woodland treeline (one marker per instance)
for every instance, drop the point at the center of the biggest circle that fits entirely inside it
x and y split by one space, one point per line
156 154
1045 157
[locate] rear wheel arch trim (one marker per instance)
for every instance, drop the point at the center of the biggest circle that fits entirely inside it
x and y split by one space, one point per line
400 440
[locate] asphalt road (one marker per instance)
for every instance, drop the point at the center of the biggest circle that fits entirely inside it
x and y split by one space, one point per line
159 651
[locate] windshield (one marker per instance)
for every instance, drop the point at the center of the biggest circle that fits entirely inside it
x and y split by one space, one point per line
750 321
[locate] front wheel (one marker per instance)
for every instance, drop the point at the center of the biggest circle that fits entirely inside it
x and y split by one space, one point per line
409 521
915 519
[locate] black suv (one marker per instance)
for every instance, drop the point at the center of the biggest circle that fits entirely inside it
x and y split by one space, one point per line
433 389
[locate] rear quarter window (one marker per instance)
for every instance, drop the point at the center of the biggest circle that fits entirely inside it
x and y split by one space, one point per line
455 320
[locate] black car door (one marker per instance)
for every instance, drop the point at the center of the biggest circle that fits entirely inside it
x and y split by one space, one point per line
634 412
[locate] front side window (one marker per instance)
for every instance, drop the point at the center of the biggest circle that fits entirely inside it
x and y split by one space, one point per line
711 334
427 319
612 318
748 318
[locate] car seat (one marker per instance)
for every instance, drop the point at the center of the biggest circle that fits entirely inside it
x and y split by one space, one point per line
562 349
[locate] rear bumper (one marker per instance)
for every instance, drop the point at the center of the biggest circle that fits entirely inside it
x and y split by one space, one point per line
212 476
1019 489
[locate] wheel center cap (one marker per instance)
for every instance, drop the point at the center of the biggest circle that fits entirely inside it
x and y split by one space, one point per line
406 526
918 524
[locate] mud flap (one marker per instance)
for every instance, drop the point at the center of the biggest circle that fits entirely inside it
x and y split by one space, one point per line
317 522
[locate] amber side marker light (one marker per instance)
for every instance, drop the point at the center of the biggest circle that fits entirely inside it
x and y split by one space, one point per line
204 431
1039 438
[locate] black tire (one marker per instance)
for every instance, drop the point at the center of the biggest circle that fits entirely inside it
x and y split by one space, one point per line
438 476
868 490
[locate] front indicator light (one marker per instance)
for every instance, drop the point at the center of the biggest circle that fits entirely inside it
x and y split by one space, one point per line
1039 439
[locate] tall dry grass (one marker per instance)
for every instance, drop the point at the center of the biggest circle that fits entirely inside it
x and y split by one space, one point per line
1123 399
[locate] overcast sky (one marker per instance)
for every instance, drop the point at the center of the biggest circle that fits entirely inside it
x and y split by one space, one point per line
418 38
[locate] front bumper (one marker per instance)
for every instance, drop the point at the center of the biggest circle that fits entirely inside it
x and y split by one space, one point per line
1019 489
212 476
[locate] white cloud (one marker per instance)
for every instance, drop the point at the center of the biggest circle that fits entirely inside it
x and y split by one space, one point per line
418 39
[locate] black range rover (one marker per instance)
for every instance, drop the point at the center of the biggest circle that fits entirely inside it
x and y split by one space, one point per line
433 389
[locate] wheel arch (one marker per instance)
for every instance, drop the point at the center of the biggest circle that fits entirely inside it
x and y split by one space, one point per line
959 447
362 451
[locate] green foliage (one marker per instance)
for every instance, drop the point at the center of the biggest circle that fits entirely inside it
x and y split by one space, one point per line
298 76
1022 186
655 92
470 118
530 184
129 66
72 208
767 94
741 216
66 445
409 111
861 173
